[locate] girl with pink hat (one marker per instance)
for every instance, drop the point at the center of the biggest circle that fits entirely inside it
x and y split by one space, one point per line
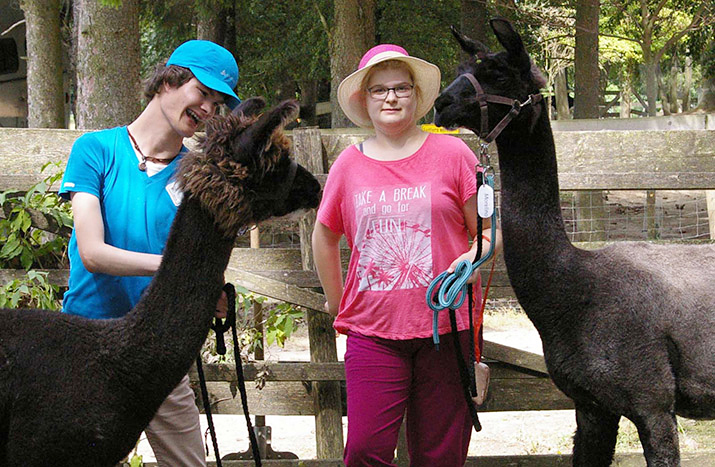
405 200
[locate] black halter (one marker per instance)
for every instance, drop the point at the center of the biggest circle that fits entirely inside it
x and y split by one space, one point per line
483 99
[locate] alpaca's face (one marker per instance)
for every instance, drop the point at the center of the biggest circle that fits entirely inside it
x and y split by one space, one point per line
509 74
243 173
276 196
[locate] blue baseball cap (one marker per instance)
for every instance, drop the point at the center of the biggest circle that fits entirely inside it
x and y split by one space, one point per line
211 64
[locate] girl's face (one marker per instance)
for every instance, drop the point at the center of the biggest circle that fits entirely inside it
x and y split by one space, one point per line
391 113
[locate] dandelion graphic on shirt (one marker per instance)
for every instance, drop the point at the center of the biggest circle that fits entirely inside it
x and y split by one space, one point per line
394 235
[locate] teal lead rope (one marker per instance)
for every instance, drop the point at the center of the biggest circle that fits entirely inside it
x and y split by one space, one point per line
449 290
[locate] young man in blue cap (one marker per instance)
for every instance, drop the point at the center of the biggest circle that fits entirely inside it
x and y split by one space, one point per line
124 201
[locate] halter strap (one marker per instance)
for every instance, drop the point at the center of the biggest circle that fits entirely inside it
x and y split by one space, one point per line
483 98
281 191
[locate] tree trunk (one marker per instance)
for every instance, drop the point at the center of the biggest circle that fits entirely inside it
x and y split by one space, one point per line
586 71
287 89
308 100
625 98
45 90
673 85
352 35
662 92
561 93
231 22
706 96
211 24
687 82
108 63
651 85
590 206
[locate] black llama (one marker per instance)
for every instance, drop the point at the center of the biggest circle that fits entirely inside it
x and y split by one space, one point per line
80 391
627 330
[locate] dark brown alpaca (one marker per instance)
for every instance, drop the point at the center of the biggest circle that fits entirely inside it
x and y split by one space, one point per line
75 390
627 330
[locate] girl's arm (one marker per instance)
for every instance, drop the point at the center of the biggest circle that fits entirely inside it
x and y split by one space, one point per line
326 254
470 215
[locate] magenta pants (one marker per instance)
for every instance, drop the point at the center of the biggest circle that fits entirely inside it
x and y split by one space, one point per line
387 379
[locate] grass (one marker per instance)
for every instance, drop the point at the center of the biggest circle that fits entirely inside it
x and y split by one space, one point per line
694 435
505 318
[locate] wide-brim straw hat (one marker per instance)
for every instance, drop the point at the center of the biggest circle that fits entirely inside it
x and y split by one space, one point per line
426 78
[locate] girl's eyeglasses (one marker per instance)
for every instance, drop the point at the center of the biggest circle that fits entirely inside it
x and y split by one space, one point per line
379 92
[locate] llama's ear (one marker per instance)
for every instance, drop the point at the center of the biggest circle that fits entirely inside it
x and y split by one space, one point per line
512 42
258 135
250 107
470 46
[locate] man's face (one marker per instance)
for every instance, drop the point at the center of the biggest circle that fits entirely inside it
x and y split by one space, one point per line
189 105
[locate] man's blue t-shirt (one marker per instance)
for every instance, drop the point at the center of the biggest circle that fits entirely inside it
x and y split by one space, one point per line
137 210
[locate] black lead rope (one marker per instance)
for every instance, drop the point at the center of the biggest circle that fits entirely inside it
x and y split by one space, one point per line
220 328
207 410
466 371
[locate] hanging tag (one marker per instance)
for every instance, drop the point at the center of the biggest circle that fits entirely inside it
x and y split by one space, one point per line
485 201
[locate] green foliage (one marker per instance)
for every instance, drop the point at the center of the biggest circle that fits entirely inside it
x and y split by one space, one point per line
426 35
281 323
31 291
111 3
702 46
280 320
281 45
24 245
136 460
164 26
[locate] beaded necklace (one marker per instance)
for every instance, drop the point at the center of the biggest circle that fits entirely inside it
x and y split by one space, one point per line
142 164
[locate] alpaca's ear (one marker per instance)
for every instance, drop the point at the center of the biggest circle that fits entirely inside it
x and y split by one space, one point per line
470 46
512 42
250 107
258 135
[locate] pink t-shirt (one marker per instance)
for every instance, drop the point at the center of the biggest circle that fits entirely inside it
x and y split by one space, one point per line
404 224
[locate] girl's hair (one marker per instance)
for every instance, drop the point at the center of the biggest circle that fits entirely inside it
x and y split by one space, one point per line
173 75
391 65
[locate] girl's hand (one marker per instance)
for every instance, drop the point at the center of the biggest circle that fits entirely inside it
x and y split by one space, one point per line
469 256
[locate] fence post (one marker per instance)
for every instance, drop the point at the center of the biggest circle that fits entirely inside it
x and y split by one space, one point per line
710 200
307 150
259 424
650 213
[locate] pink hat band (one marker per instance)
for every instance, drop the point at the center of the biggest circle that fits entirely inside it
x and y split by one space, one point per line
378 50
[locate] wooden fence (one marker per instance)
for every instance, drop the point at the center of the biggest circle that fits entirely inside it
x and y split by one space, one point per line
588 160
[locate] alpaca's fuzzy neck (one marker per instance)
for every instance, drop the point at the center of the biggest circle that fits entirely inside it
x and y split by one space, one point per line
537 251
171 322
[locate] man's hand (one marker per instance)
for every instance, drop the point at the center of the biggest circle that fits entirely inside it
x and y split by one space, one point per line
222 306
